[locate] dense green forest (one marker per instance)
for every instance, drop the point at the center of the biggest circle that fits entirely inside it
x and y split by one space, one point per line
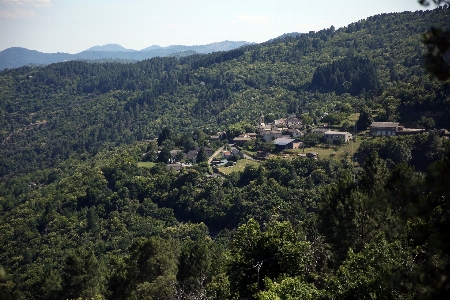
79 218
87 107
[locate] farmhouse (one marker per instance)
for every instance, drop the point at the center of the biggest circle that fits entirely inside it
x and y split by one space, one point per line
320 131
208 151
226 154
241 140
287 143
192 155
338 136
384 128
174 167
271 135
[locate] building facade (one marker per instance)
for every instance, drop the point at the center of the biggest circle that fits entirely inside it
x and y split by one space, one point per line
384 128
338 136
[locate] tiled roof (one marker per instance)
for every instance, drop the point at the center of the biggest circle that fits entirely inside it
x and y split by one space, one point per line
384 124
283 141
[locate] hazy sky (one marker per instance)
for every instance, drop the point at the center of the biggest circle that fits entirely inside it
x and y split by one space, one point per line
75 25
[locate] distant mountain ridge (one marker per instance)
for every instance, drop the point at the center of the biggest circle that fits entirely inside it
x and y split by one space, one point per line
16 57
110 47
285 35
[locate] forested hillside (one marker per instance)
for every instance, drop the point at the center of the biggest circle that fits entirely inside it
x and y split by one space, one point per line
86 107
80 218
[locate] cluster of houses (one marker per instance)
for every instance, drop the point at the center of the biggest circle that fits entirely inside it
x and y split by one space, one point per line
175 163
287 133
191 155
284 134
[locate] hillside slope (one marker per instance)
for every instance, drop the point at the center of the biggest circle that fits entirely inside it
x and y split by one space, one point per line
87 106
94 222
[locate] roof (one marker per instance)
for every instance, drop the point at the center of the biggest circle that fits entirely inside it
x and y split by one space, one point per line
283 141
337 132
175 152
273 131
175 167
384 124
322 130
294 120
242 139
411 130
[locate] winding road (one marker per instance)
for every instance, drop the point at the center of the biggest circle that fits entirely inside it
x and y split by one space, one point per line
214 154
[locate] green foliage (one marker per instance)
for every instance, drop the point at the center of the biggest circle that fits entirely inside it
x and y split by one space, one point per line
79 218
376 272
288 289
333 118
164 156
194 267
80 275
436 59
148 272
56 111
259 254
164 135
420 150
353 75
365 119
201 156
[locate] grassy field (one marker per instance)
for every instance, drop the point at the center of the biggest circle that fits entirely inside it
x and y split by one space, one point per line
353 118
239 167
329 152
145 164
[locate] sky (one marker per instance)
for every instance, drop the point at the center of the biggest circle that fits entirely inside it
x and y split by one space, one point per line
72 26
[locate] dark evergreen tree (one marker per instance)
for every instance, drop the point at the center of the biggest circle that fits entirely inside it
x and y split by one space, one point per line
365 119
165 134
80 275
352 75
201 156
164 155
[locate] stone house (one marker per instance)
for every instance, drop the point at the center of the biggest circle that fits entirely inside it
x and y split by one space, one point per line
226 154
208 151
242 139
174 167
383 128
287 143
192 155
320 131
338 136
293 122
272 135
295 133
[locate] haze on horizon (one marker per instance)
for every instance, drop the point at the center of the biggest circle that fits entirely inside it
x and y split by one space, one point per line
72 26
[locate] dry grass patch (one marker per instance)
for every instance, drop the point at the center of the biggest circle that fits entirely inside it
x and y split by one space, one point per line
146 164
239 167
